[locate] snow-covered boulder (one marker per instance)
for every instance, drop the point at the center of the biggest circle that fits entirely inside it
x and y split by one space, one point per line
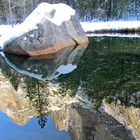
48 29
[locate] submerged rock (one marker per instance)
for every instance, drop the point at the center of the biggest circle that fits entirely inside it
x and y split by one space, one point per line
48 29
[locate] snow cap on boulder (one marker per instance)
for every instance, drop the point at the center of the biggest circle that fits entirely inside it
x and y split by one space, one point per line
56 13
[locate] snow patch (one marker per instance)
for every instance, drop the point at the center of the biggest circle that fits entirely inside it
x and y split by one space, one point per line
32 35
110 25
114 35
25 38
15 32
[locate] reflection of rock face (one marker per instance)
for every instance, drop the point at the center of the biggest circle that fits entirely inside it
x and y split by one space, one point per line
81 123
51 34
129 116
84 124
14 105
47 67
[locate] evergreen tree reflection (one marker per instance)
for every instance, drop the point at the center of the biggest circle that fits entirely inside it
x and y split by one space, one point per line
35 90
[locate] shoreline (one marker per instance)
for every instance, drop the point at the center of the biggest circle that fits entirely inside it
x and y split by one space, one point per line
110 28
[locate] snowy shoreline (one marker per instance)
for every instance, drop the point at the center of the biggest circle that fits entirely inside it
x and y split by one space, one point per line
110 25
112 28
92 28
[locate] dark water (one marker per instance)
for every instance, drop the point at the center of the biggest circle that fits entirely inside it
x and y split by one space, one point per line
69 96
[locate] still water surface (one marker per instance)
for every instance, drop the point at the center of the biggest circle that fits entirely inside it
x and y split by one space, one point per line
81 93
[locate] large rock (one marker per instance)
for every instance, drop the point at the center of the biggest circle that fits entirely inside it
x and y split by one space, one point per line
48 29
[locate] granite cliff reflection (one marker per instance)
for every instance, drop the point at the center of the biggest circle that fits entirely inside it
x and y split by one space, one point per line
73 114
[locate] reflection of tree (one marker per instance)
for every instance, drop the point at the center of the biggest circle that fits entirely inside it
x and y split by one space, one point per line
108 72
42 120
35 89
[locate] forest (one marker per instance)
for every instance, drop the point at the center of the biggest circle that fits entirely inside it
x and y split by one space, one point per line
15 11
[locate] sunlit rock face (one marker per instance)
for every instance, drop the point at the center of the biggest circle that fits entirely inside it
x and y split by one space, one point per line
129 116
48 29
86 124
13 104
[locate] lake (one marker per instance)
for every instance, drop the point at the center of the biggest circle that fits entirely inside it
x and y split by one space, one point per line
82 93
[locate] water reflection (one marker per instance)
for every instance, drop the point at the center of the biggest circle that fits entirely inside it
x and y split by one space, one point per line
47 67
98 100
109 70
